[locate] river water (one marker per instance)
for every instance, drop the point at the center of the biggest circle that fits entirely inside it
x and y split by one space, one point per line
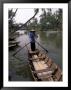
18 64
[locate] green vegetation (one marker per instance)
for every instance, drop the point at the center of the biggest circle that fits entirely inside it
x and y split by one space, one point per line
47 20
12 25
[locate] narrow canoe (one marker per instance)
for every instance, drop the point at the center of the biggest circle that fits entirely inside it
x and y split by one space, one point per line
42 67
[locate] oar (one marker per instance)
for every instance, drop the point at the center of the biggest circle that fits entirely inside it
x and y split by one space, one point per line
20 49
26 47
42 47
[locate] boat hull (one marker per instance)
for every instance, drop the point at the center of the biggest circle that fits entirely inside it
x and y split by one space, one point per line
43 68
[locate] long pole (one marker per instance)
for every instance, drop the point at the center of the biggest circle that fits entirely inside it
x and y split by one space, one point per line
42 47
20 49
26 45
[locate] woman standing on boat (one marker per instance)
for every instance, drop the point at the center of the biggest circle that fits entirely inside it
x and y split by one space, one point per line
32 36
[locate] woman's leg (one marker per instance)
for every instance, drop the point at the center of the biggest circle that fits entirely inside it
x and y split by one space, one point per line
33 46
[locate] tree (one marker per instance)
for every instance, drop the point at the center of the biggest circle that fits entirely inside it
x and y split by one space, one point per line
12 25
43 16
25 24
33 24
49 20
59 18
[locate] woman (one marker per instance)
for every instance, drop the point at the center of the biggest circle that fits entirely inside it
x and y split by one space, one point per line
32 36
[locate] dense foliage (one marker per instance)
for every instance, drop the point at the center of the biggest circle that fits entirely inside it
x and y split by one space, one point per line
12 25
48 20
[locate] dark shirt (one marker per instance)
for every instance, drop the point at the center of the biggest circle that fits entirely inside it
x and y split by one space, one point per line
32 36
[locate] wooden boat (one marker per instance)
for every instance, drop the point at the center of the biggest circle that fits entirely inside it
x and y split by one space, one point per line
13 36
13 43
42 67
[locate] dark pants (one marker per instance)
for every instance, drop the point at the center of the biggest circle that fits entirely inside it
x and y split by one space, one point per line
33 46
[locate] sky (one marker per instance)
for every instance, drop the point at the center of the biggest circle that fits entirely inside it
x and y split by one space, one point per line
22 15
